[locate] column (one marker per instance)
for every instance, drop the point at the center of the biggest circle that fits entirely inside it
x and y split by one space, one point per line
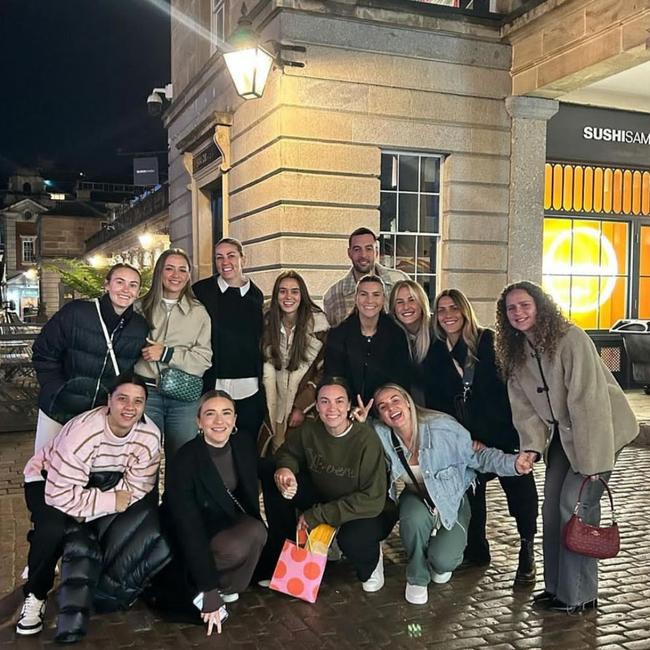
526 210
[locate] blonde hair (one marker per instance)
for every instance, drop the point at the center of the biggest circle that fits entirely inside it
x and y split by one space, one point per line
470 327
423 336
416 411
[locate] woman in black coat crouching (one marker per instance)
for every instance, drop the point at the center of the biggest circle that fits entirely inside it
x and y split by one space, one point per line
211 514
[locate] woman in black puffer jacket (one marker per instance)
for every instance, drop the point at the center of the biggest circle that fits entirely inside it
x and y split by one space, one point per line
71 357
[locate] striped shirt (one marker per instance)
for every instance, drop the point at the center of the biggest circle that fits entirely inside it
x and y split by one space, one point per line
86 444
338 301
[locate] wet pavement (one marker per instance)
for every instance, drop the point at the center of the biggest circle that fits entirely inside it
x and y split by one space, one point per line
478 608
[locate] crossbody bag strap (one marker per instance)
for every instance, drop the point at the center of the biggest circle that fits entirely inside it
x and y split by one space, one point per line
109 342
234 498
397 446
545 387
469 368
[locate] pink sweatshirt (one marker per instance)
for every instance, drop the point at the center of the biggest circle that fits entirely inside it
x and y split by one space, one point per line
85 445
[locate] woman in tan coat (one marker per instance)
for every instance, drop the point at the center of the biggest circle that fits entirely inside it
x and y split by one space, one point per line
294 333
179 338
568 408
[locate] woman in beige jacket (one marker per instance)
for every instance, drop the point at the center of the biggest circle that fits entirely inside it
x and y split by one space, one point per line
568 408
294 334
179 337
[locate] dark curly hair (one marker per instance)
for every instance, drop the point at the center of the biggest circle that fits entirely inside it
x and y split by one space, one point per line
550 326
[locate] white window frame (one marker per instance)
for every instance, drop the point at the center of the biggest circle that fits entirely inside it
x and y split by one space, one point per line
217 22
416 275
28 239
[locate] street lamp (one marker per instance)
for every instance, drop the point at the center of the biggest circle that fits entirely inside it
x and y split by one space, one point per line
249 64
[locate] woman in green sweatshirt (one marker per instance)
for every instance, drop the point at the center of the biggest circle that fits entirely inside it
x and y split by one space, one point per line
332 470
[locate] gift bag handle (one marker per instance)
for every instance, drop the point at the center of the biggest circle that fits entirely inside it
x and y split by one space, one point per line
609 494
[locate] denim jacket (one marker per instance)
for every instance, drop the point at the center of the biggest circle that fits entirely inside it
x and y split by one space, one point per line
447 460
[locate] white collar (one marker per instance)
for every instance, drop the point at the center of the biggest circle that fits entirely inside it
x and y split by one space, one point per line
223 285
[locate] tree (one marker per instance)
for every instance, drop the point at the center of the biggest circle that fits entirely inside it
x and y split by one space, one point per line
88 281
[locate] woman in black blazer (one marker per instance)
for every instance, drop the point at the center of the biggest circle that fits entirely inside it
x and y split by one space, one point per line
368 348
211 511
462 348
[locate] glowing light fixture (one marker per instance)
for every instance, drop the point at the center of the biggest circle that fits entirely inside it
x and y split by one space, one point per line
249 63
97 261
582 295
32 274
146 240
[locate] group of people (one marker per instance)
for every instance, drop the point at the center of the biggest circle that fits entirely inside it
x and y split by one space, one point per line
331 411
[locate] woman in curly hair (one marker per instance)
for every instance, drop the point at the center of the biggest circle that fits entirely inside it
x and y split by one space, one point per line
295 329
568 408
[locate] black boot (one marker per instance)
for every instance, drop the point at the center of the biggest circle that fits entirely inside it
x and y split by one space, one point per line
526 569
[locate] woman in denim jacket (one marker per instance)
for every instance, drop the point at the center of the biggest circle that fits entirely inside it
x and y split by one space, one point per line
433 509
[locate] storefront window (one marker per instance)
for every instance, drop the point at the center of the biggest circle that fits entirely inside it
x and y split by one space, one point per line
410 215
644 272
586 269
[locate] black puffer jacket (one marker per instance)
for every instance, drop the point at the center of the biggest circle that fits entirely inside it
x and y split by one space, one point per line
107 563
71 357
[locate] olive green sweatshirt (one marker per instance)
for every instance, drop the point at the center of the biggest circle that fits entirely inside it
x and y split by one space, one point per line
349 472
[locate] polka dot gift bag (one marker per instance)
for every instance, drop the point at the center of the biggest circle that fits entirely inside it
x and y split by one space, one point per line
301 565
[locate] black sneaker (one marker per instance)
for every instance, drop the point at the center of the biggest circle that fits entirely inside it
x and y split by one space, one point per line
31 616
556 605
543 597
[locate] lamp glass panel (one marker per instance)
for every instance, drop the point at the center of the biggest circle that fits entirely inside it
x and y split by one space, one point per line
249 70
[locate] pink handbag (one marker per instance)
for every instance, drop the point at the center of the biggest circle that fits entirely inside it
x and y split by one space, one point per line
300 569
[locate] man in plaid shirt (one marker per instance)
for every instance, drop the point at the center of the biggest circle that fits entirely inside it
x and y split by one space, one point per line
363 251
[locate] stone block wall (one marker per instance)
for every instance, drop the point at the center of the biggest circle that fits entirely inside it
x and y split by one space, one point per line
306 157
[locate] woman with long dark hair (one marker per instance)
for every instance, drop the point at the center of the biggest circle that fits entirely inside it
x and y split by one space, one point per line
464 381
295 329
179 338
569 409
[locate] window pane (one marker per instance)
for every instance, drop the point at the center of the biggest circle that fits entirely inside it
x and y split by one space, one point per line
644 298
407 207
388 212
387 250
429 284
408 173
430 175
405 253
388 171
429 214
426 252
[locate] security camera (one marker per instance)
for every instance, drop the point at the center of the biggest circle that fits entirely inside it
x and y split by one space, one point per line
155 100
154 105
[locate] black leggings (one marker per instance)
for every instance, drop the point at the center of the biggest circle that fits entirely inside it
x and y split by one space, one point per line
521 494
358 539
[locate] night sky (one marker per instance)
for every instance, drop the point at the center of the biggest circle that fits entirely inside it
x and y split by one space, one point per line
75 78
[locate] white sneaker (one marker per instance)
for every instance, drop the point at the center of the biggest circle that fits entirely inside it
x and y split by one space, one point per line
265 584
376 580
416 594
31 616
334 553
230 598
441 578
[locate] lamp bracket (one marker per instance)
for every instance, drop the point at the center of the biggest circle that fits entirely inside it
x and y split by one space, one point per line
279 48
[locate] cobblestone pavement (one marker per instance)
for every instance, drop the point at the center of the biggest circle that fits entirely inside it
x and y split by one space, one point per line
477 609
